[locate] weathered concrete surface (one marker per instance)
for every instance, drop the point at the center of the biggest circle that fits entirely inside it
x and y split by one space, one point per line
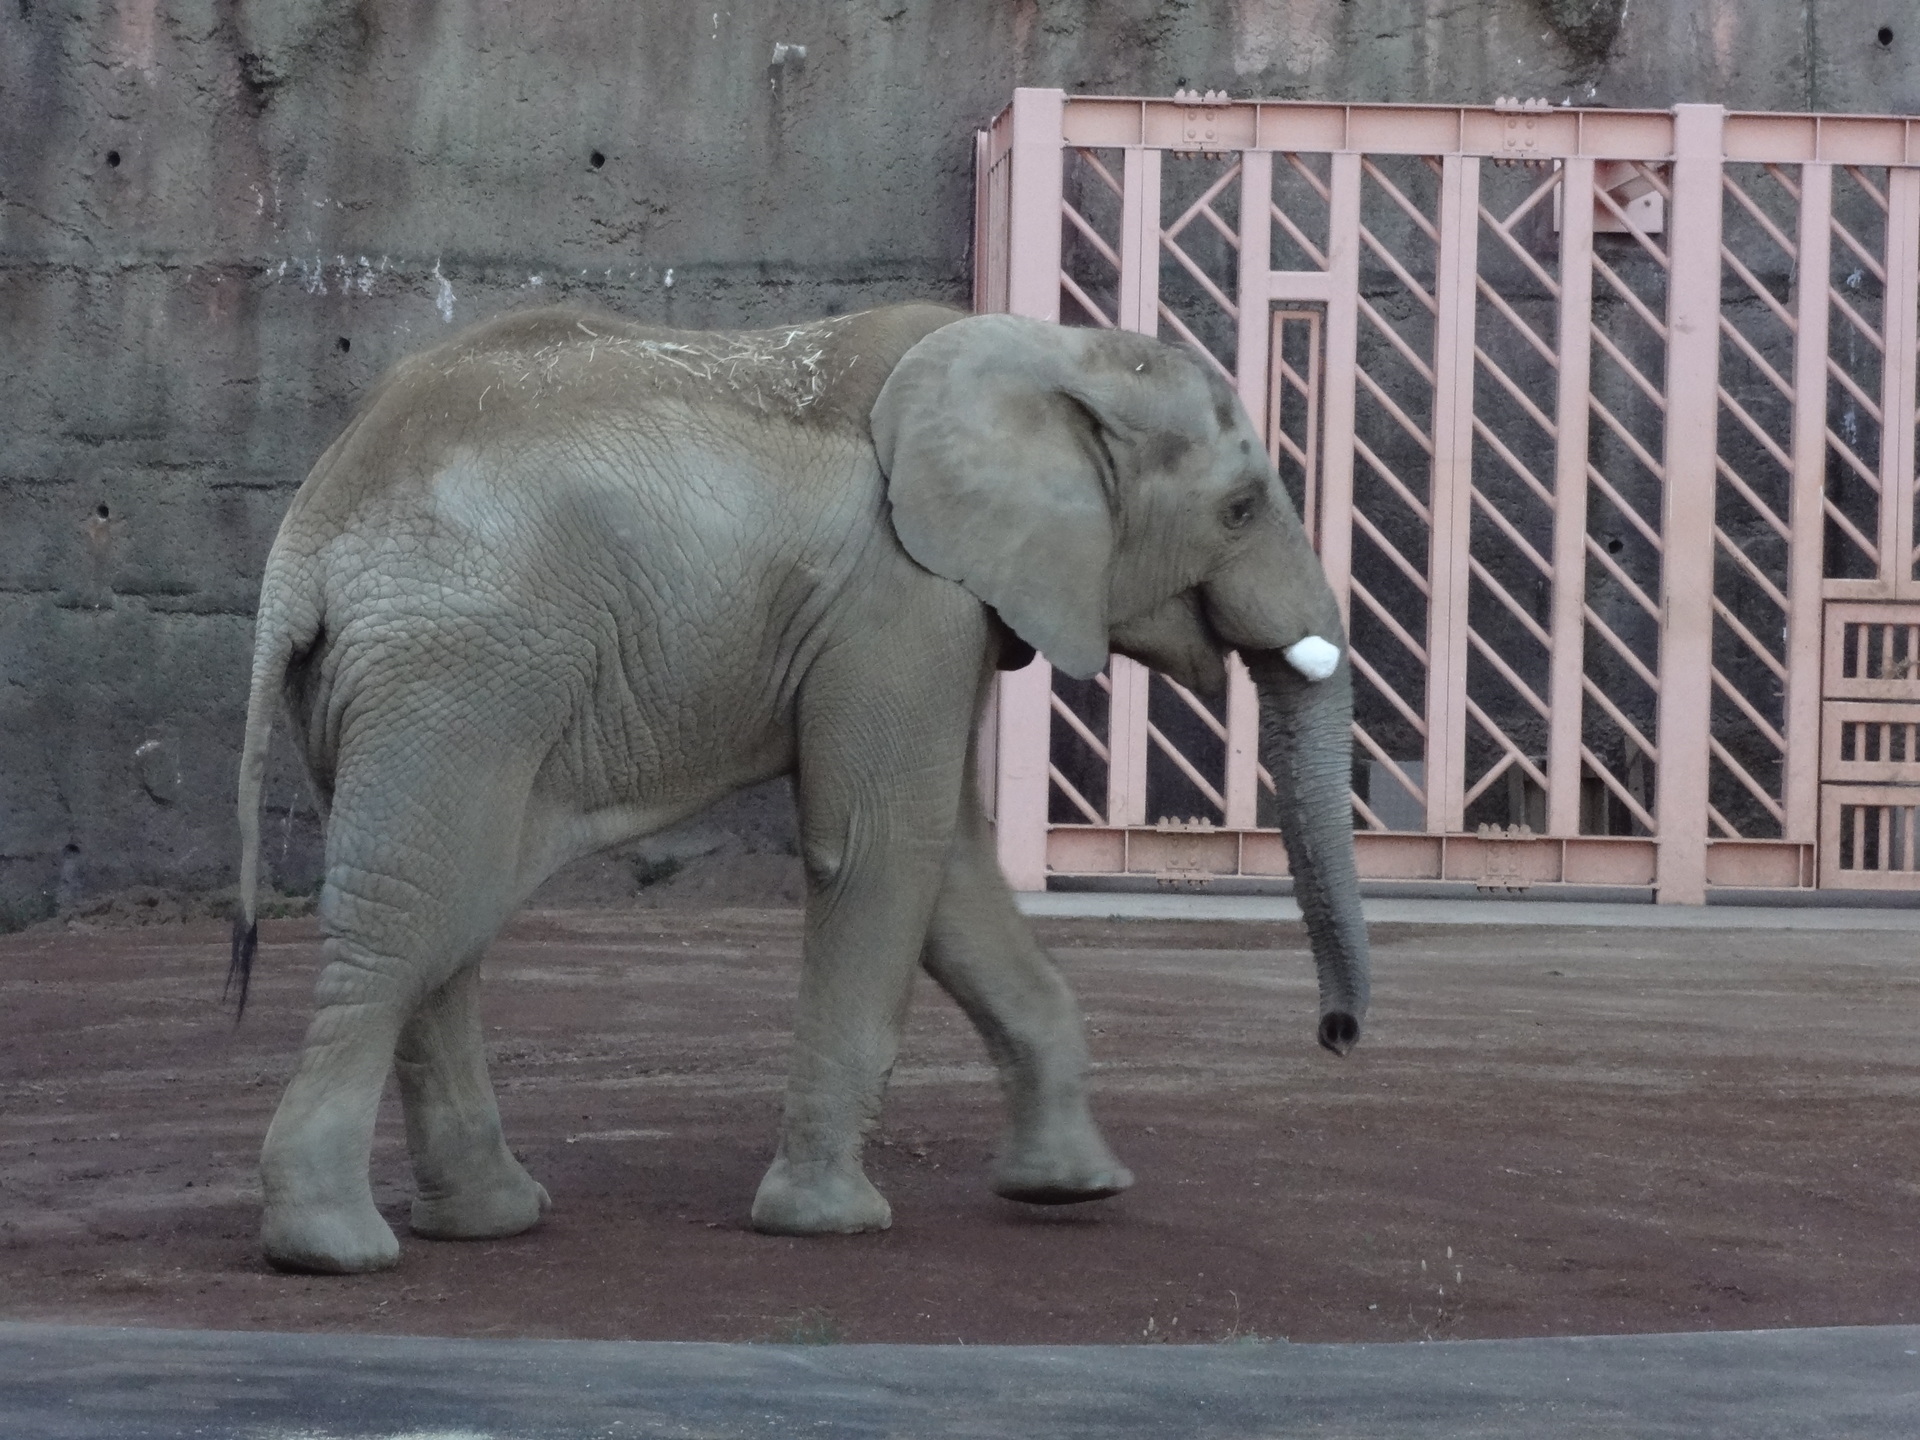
220 221
64 1383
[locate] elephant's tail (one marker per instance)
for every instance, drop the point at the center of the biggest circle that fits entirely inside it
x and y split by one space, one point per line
288 625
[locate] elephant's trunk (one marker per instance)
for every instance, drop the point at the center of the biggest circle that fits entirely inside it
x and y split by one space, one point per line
1306 744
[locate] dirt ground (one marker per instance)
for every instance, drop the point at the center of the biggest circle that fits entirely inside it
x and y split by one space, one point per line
1544 1131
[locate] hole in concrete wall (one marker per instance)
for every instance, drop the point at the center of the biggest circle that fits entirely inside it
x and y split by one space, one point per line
1885 37
1613 544
596 159
113 159
343 344
101 510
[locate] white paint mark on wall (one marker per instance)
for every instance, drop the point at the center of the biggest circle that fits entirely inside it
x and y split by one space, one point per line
668 281
442 294
783 52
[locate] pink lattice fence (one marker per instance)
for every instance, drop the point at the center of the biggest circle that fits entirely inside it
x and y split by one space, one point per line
1604 425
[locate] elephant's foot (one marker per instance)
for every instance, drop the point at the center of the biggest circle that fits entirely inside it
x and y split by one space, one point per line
818 1200
1059 1167
487 1203
348 1239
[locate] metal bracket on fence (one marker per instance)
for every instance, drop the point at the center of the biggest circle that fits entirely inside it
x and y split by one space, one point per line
1183 868
1202 128
1501 870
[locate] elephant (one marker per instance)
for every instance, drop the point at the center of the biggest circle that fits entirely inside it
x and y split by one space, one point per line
566 580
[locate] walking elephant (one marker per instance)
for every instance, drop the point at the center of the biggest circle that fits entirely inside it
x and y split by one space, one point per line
566 580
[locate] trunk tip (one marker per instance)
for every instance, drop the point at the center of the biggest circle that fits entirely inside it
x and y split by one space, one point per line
1339 1031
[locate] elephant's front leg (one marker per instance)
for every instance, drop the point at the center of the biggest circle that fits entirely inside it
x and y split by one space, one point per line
881 760
982 952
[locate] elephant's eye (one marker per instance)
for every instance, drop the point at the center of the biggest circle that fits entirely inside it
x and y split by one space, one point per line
1240 511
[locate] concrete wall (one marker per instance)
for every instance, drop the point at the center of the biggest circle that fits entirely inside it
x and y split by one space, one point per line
220 220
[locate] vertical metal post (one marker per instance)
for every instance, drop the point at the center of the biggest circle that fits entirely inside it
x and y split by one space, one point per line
1139 311
1897 379
1033 289
1565 697
1692 425
1343 340
1450 492
1813 246
1250 377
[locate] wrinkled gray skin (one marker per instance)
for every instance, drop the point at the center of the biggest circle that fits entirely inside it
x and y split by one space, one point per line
567 580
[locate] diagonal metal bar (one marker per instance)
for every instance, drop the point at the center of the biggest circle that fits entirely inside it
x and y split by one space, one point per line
1754 787
1506 672
1513 607
1726 827
1094 817
1079 222
1520 252
1385 617
1760 216
1624 651
1400 562
1307 173
1373 821
1106 175
1080 728
1180 329
1759 506
1746 708
1507 528
1085 301
1854 462
1622 579
1619 357
1520 212
1485 783
1387 692
1313 251
1620 792
1225 178
1372 747
1524 330
1512 461
1415 432
1852 388
1197 706
1633 517
1413 211
1632 297
1760 291
1852 532
1874 192
1185 767
1868 332
1755 358
1392 262
1753 572
1618 716
1633 227
1627 438
1499 736
1868 261
1169 244
1751 641
1754 428
1393 338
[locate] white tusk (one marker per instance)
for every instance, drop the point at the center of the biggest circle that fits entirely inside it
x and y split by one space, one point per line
1313 657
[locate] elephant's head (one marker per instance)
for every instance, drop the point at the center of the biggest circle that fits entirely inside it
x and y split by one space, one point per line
1105 491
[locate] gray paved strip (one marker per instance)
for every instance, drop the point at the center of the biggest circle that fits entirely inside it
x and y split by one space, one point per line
1094 905
69 1382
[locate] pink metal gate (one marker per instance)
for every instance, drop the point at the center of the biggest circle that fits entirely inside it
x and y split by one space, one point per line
1604 425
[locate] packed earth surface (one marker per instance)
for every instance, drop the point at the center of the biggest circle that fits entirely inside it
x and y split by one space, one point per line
1544 1131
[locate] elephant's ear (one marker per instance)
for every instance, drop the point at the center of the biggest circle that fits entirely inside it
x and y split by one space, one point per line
1000 478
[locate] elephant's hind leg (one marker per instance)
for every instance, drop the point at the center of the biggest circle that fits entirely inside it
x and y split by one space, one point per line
319 1211
983 954
469 1186
420 866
